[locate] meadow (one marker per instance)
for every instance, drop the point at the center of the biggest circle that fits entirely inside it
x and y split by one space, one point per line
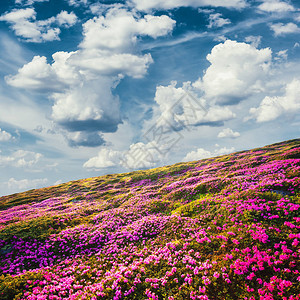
223 228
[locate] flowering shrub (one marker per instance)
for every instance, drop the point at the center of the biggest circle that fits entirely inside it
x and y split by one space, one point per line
220 228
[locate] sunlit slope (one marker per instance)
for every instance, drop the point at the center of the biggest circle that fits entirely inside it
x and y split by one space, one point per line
219 228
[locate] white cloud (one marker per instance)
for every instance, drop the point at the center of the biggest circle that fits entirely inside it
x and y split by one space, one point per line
99 111
272 107
146 5
29 2
85 139
25 25
138 156
216 20
20 158
253 40
119 30
23 184
297 18
228 133
197 155
34 75
77 3
106 158
202 153
66 19
237 70
282 55
275 6
180 108
104 57
282 29
141 156
5 136
110 64
223 151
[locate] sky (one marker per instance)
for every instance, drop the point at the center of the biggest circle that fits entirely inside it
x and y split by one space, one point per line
98 87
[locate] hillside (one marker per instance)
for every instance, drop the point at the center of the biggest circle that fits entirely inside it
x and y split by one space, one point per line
218 228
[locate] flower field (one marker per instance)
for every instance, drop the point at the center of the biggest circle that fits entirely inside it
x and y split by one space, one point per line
219 228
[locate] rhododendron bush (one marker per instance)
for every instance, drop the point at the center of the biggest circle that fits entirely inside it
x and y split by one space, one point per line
219 228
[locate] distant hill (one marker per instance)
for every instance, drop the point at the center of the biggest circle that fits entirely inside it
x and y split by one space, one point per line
219 228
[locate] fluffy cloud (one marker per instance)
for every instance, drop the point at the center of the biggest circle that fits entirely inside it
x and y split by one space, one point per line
202 153
146 5
228 133
66 19
216 20
25 25
109 64
29 2
197 155
24 184
77 3
138 156
85 139
223 151
282 29
272 107
5 136
179 108
275 6
34 75
119 29
237 70
20 158
106 158
98 112
81 83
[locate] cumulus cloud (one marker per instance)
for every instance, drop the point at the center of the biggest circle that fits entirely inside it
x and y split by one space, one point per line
29 2
216 20
23 184
283 29
34 75
141 156
119 29
23 22
275 6
77 3
5 136
146 5
109 64
138 156
223 151
98 112
81 82
228 133
180 108
85 139
272 107
202 153
237 70
66 19
20 158
106 158
197 155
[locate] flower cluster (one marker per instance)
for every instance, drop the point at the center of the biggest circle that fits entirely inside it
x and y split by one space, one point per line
222 228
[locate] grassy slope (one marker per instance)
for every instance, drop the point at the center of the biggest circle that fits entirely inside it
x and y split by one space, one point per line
219 228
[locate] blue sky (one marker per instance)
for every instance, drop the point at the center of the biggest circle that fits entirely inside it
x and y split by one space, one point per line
96 87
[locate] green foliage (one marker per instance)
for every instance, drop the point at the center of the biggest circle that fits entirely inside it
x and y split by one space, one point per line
13 288
38 228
